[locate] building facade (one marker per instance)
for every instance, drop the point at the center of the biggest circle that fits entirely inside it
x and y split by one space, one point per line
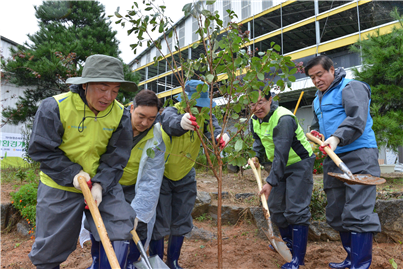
12 141
303 29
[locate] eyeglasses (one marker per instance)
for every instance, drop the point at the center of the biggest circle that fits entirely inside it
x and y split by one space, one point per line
259 103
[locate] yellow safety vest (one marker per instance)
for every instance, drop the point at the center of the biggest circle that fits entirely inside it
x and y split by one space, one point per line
181 150
130 172
86 147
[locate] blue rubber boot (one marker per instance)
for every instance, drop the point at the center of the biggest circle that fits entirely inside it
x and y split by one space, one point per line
361 250
134 254
287 236
121 249
174 251
156 247
346 241
94 251
300 237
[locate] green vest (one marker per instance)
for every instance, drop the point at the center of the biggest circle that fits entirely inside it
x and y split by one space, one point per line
265 133
130 172
84 148
177 165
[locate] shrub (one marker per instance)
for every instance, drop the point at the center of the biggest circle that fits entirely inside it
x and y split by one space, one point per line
318 204
320 157
25 200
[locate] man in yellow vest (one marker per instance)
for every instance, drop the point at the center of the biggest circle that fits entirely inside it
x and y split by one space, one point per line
279 137
178 189
142 177
84 132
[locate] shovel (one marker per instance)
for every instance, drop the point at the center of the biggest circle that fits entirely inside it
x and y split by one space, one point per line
104 238
279 245
347 176
153 262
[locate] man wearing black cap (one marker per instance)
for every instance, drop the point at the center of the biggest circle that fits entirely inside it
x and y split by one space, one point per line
84 132
178 189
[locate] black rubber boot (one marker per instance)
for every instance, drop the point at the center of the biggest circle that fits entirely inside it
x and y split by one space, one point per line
94 251
134 254
174 251
300 238
361 250
287 236
156 247
121 249
346 242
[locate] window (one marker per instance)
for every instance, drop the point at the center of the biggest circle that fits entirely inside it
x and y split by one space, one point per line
195 36
265 4
181 35
246 11
148 57
169 46
226 5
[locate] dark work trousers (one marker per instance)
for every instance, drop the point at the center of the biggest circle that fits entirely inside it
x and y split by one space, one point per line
177 199
350 207
59 218
289 201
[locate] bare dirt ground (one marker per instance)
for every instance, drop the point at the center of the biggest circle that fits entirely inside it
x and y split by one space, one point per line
241 247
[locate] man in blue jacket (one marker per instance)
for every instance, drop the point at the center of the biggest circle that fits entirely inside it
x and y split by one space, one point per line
342 114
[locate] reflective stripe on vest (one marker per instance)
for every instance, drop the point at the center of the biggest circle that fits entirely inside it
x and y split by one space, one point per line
332 113
86 147
131 170
181 150
265 133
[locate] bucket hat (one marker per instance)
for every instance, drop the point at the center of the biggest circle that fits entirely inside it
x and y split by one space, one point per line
190 89
102 68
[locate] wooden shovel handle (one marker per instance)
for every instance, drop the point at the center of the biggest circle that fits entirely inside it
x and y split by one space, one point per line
327 149
136 239
260 185
104 238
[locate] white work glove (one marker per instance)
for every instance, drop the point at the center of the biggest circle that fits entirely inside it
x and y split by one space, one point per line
223 141
76 179
332 141
188 122
135 223
96 192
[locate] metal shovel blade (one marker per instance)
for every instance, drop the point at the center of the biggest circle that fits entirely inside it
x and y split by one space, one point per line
279 246
361 179
155 262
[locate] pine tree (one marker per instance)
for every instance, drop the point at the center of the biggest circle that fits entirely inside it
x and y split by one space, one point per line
69 32
382 69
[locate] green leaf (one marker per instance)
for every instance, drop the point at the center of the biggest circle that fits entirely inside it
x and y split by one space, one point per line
209 78
292 78
150 153
238 145
194 111
293 71
260 53
237 108
195 45
235 116
260 76
393 263
148 9
210 2
277 47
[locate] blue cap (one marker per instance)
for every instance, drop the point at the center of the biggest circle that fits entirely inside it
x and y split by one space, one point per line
190 89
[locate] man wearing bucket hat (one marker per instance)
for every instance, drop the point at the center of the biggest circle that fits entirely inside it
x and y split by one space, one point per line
178 189
279 137
84 132
342 114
